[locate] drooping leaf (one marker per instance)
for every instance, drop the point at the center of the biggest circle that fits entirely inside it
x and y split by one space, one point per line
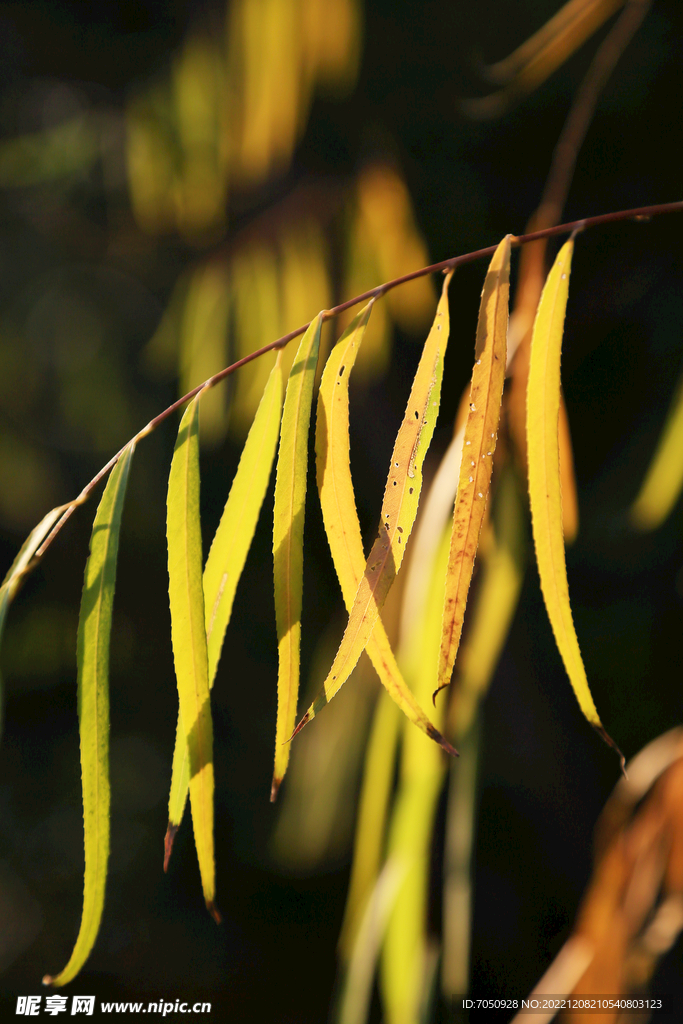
501 567
375 797
288 538
545 495
531 277
188 634
399 507
664 479
405 959
235 532
356 993
338 505
94 630
317 810
481 432
225 563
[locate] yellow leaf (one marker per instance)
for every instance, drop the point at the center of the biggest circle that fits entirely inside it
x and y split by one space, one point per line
664 479
541 55
399 508
288 538
481 432
188 635
405 960
204 344
545 496
338 505
373 811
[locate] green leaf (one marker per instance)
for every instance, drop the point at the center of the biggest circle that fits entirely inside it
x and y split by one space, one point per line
399 507
225 563
188 634
94 630
288 538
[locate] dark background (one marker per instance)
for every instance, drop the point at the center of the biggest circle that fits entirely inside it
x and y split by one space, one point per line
545 774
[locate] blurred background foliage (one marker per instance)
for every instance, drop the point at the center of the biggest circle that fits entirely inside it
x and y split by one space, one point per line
181 183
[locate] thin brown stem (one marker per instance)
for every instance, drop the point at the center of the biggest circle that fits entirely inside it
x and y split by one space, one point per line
639 213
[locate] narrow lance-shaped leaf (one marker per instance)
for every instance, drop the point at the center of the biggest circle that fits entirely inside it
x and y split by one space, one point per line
481 432
338 505
545 494
399 507
225 563
422 769
18 569
94 630
288 538
188 635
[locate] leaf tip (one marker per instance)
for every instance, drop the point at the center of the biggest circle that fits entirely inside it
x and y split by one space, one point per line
610 743
214 911
438 690
275 786
435 735
168 843
304 721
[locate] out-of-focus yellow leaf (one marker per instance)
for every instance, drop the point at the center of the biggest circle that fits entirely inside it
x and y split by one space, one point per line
255 290
664 478
152 171
373 812
204 344
160 354
385 208
404 957
356 993
288 539
481 433
537 58
66 150
199 92
563 21
384 243
399 507
545 496
318 803
304 282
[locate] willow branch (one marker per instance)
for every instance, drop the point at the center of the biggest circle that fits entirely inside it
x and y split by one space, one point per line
639 213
